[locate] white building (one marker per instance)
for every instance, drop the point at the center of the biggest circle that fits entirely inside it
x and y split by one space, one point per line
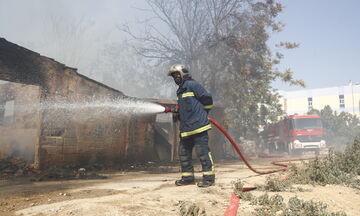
341 98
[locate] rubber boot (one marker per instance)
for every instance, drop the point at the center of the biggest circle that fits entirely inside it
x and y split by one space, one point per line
206 183
185 181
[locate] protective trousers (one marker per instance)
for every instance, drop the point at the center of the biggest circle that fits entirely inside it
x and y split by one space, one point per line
200 142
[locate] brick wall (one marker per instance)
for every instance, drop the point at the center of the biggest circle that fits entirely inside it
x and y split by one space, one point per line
62 137
85 137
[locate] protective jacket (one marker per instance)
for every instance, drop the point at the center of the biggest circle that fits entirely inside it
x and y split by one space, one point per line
194 104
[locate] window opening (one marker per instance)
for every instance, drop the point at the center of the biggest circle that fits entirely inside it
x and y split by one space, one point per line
310 103
342 101
7 110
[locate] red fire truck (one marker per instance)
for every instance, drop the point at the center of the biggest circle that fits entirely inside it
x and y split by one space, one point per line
296 134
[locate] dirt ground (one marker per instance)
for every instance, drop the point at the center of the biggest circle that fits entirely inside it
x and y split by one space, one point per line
153 193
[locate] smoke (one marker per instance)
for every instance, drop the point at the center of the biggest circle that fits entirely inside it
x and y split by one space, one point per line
86 38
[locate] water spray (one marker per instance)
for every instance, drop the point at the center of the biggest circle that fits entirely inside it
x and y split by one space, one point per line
113 106
94 107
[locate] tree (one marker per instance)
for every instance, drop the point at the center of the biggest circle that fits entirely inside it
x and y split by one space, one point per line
224 42
65 39
340 128
122 68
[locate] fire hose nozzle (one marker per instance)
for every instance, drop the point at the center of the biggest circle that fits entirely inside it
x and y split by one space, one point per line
172 109
167 109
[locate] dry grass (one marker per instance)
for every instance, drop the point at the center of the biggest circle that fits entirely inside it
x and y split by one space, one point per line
336 168
191 209
275 206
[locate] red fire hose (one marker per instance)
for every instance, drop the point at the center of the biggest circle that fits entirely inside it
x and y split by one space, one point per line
241 154
234 201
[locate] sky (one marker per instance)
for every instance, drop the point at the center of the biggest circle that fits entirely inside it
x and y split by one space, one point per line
328 32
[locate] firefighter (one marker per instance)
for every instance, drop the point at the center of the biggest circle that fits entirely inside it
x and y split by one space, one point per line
194 105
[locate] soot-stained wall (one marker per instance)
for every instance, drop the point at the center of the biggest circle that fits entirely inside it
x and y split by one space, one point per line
85 136
62 137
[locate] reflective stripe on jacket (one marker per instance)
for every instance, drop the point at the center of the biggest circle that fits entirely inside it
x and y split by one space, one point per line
194 104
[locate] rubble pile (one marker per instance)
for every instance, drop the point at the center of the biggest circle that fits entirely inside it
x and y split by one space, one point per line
56 173
14 166
149 166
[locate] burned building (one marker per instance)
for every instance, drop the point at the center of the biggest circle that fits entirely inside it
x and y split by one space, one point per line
48 137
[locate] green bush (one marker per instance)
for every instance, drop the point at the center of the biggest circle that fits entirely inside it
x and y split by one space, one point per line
298 207
273 184
340 128
191 209
336 168
237 188
276 202
275 206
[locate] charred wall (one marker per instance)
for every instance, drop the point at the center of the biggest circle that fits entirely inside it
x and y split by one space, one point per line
58 136
18 64
84 137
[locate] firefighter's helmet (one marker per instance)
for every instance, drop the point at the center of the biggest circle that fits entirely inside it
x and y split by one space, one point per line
179 68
